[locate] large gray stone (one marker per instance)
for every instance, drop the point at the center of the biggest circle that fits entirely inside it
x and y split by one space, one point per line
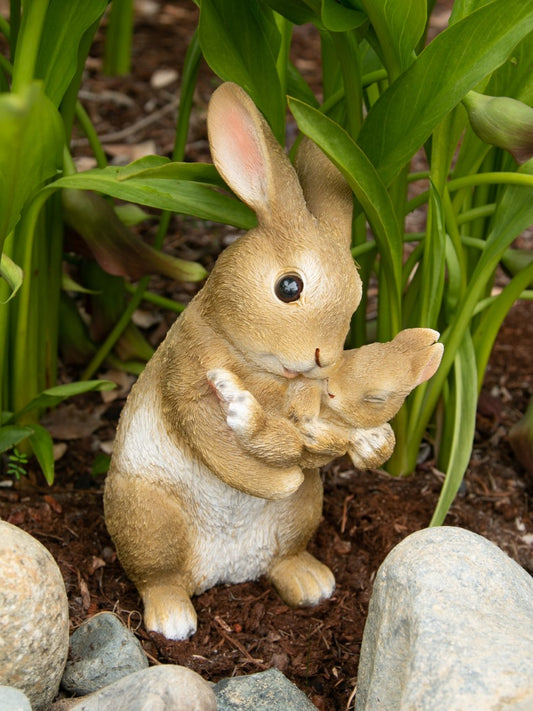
161 688
12 699
102 650
266 691
450 626
33 617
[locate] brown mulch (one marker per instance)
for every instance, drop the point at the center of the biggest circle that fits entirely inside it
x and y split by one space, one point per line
246 628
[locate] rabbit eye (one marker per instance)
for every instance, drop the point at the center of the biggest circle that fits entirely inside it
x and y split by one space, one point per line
288 288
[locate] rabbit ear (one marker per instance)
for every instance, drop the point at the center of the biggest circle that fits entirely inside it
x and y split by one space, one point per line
248 157
327 194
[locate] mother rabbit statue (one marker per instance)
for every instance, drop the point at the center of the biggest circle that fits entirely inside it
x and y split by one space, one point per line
214 475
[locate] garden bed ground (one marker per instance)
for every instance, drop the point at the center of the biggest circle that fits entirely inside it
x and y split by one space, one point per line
246 628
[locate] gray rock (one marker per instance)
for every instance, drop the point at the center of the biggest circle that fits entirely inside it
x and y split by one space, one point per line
266 691
102 650
12 699
161 688
33 617
450 626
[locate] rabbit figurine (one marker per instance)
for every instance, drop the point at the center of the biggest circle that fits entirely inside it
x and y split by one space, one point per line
208 481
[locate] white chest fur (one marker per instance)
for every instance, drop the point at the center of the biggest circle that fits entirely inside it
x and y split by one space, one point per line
233 535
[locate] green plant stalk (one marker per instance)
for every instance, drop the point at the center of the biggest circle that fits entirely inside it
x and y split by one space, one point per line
117 53
88 129
28 43
161 301
109 343
69 102
471 181
5 28
347 50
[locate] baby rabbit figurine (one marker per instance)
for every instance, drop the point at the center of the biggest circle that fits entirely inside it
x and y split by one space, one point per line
366 389
209 481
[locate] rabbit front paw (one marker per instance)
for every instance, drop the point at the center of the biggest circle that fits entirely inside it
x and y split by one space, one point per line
244 414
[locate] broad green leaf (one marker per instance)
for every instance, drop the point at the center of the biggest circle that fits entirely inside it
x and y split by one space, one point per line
298 11
31 146
240 41
53 396
43 448
12 274
460 414
450 66
64 26
369 190
182 196
170 170
11 435
338 18
399 27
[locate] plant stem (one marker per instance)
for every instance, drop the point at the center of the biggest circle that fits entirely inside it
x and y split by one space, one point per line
28 43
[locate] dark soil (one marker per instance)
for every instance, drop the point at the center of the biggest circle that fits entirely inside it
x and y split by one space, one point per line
246 628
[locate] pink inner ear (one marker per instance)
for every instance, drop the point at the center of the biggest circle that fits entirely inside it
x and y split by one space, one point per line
240 158
431 366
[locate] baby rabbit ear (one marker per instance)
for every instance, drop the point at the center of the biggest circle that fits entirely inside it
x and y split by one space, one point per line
248 157
327 194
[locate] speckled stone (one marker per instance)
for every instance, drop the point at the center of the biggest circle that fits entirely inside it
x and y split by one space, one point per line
33 617
265 691
163 688
102 651
450 626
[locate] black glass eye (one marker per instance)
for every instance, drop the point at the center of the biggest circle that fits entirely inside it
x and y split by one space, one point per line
289 287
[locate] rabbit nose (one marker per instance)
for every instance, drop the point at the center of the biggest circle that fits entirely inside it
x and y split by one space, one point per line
317 357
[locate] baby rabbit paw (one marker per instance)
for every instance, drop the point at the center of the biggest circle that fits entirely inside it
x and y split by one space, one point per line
320 438
243 413
369 448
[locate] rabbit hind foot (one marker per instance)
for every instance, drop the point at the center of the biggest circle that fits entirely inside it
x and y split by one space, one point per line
169 610
302 580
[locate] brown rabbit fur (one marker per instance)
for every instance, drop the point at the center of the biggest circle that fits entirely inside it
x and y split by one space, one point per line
210 480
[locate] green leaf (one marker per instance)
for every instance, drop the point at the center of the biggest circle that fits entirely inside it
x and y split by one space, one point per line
30 150
12 274
64 26
11 435
240 41
460 57
169 170
460 414
369 190
298 11
182 196
53 396
338 18
43 447
399 27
